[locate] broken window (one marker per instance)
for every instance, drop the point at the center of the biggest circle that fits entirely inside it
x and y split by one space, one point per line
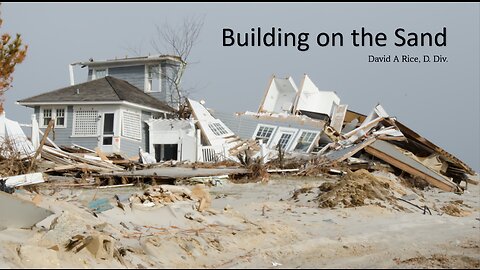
264 133
47 116
85 123
60 117
217 129
284 139
305 141
131 125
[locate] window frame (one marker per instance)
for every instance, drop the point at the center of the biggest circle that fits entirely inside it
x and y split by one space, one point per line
288 142
149 80
41 122
311 143
274 128
278 135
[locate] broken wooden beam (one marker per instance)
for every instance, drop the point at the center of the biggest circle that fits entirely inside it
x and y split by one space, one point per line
42 142
393 156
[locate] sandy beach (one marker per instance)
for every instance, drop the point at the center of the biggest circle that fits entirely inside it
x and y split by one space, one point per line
277 224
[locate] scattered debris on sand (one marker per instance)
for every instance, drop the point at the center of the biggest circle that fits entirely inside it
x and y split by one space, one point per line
355 189
455 209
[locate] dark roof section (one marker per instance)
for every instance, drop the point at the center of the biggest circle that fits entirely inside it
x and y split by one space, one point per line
315 115
103 89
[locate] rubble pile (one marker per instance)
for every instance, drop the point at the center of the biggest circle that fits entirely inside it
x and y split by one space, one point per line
11 162
355 189
166 194
455 209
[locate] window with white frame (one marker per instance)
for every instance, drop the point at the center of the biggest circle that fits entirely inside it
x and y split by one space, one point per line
100 73
58 114
47 116
264 133
85 123
60 117
153 79
284 139
217 129
131 125
305 140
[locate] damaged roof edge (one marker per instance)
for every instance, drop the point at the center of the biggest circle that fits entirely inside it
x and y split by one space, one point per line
410 134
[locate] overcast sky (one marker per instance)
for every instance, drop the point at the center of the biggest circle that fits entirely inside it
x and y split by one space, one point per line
438 100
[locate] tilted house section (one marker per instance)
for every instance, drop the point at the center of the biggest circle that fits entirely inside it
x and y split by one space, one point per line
290 119
279 96
311 100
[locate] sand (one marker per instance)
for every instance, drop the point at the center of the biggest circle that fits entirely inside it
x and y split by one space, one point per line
255 225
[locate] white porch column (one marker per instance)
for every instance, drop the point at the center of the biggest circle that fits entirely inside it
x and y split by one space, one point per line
35 133
199 145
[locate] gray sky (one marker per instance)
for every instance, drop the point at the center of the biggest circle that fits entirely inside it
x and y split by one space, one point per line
439 101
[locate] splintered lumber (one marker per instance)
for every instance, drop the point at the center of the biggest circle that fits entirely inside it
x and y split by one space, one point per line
77 167
57 160
42 142
178 172
78 159
101 154
49 140
342 154
391 155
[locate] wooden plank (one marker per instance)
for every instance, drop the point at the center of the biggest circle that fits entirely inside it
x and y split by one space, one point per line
342 154
378 150
50 141
101 154
391 138
76 167
42 142
84 160
83 148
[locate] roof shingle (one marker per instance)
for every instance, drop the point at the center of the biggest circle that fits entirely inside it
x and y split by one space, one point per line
104 89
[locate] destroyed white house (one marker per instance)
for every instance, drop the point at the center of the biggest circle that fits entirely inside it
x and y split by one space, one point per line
312 121
288 117
122 108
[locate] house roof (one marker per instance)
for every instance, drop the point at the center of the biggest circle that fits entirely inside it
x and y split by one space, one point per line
106 89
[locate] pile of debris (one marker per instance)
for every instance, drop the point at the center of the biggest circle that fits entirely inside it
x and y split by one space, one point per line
166 194
355 189
381 140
